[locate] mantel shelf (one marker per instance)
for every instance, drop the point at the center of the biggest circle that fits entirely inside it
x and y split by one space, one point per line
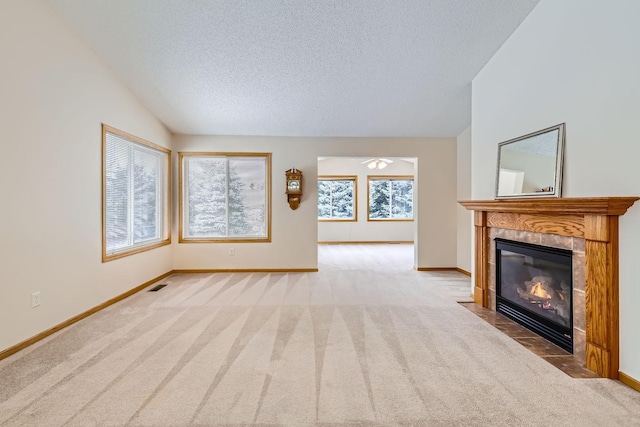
559 206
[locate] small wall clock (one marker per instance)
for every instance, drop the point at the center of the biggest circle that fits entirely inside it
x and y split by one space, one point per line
294 187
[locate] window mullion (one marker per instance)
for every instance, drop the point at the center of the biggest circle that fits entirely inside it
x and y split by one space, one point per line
331 199
226 198
186 224
131 197
160 213
392 196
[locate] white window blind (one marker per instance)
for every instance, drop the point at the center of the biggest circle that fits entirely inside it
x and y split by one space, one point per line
135 194
225 197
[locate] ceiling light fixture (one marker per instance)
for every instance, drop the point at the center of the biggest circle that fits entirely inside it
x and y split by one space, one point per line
377 163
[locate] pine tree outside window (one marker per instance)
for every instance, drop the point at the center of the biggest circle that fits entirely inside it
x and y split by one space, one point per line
390 198
225 197
135 194
337 198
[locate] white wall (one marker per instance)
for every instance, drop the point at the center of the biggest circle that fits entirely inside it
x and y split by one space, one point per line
363 230
575 62
55 95
464 217
295 233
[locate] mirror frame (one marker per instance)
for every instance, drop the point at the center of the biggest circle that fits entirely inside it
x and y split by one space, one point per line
559 160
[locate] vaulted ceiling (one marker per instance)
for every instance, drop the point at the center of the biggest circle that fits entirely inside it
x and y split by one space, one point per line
299 67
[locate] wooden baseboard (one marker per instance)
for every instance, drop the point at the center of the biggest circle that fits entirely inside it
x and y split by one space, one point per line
34 339
630 381
465 272
249 270
363 242
459 270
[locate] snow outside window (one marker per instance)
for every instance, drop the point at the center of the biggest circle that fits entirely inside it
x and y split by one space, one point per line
390 198
337 198
225 197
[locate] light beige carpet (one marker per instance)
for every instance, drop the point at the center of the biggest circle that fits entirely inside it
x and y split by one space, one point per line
366 341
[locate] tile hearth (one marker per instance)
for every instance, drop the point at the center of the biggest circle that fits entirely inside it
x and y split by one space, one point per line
566 362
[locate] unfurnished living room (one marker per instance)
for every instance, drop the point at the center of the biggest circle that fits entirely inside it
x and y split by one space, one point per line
320 213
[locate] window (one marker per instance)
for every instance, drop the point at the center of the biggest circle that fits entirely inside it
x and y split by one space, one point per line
337 197
135 194
390 198
225 197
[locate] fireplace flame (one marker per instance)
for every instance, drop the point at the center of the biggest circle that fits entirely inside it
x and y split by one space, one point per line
539 291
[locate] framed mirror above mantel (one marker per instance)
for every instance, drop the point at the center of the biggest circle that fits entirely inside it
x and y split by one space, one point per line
531 165
594 219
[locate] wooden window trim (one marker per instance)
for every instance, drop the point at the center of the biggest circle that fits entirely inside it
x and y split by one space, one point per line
391 178
166 223
353 178
182 238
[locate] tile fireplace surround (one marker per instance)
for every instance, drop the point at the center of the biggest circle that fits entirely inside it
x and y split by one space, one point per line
587 226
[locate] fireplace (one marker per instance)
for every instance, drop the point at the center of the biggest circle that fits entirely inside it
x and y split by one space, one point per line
534 288
592 224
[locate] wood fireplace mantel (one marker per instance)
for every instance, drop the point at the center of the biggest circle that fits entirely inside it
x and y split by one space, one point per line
593 218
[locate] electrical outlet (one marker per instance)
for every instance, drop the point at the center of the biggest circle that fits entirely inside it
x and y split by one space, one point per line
232 251
35 299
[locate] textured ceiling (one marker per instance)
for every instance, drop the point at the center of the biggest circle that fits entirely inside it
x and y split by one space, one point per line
300 67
